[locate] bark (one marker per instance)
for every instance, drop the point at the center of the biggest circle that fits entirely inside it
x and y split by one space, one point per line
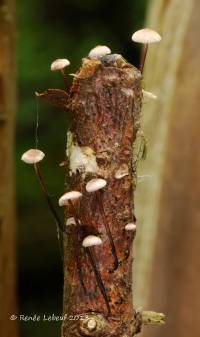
105 104
170 225
7 208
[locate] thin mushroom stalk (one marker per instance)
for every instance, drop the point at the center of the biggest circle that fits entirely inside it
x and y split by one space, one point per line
143 57
91 258
67 199
48 198
96 185
98 277
33 157
102 211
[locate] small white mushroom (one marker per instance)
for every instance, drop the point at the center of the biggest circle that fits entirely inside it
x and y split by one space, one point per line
32 156
148 94
98 52
59 64
69 196
130 227
145 36
91 240
95 185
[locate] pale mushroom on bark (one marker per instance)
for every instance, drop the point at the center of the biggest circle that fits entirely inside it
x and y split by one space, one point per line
67 199
88 242
59 65
33 157
130 227
91 240
145 36
98 52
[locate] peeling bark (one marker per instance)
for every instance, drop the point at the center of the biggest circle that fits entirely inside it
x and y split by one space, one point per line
105 105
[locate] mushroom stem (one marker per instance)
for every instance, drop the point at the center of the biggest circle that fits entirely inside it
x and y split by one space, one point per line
98 277
78 264
131 236
48 198
91 258
100 203
64 77
79 239
143 57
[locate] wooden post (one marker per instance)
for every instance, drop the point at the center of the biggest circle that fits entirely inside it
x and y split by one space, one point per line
170 224
7 204
105 104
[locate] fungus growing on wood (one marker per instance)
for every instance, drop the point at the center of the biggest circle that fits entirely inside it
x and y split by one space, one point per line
98 52
68 197
88 242
91 240
130 227
59 65
145 36
34 156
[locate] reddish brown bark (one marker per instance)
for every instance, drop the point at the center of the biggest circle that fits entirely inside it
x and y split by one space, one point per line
105 104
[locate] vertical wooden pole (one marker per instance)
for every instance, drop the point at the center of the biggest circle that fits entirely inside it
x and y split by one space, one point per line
105 105
7 197
170 224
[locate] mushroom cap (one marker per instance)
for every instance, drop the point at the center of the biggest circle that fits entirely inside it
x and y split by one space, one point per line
72 195
59 64
95 184
130 227
98 52
149 94
32 156
91 240
146 36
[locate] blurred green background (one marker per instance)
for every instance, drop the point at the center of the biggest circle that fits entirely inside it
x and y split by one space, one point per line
47 30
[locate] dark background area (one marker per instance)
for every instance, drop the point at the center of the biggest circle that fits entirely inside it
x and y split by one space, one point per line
47 30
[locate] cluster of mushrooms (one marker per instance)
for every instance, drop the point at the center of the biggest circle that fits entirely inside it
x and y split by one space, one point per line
34 156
